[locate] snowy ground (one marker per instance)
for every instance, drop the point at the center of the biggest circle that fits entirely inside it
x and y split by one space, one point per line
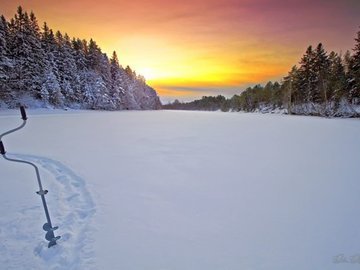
168 190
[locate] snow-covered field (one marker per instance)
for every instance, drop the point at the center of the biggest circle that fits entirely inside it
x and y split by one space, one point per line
169 190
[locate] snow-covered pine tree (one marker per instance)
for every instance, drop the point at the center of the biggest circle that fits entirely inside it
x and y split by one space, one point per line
101 96
72 70
277 99
116 89
354 73
93 56
51 88
38 62
79 51
129 72
337 79
48 41
307 76
51 85
90 75
99 67
105 73
346 59
69 78
28 55
18 50
128 78
321 69
267 93
292 92
5 62
3 50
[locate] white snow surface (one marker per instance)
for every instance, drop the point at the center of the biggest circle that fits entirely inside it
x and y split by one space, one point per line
180 190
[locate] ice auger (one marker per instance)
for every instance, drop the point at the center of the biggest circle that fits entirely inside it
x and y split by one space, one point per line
49 236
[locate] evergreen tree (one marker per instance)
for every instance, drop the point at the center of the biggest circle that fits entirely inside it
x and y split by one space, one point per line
346 61
292 90
79 52
69 79
37 55
307 76
321 70
72 73
51 88
354 73
129 72
116 89
277 97
48 41
267 95
93 56
29 57
105 70
337 79
5 62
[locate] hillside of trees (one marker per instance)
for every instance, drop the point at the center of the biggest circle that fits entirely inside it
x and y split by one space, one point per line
324 84
40 68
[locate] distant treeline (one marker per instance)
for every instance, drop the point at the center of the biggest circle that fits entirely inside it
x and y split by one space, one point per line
323 84
42 68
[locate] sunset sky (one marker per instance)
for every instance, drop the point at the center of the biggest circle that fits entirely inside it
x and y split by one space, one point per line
190 48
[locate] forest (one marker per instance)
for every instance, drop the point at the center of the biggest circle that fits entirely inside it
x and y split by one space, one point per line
40 68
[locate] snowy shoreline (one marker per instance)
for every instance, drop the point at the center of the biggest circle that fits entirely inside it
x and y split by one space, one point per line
265 111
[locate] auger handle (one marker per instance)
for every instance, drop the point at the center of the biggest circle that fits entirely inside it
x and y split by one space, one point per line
23 113
2 148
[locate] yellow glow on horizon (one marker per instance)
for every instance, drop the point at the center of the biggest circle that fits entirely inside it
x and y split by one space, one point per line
167 65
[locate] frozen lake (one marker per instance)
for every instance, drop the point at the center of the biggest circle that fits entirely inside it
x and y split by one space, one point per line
176 190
